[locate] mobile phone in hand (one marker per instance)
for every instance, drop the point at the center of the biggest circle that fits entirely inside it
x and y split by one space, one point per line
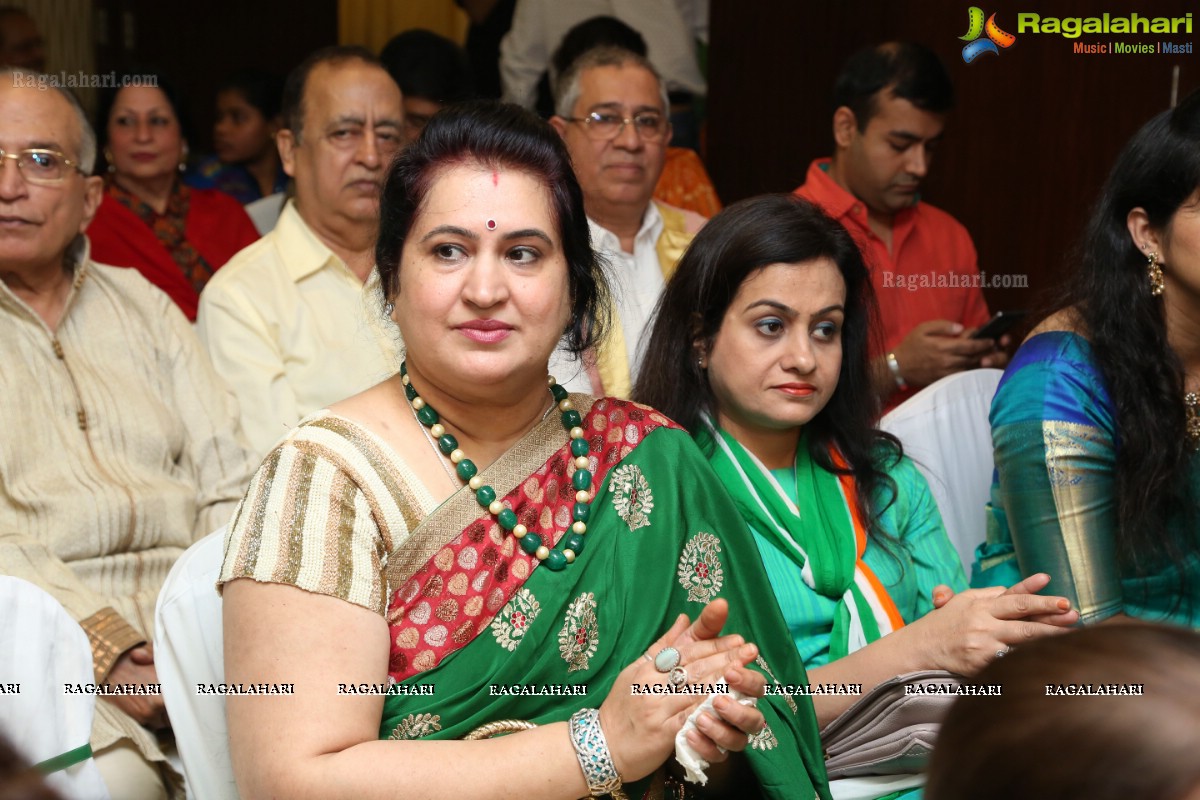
1000 324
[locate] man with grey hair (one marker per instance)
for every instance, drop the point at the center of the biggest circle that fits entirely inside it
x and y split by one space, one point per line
613 115
292 322
121 446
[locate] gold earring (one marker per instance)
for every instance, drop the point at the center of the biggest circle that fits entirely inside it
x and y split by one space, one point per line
1155 273
108 159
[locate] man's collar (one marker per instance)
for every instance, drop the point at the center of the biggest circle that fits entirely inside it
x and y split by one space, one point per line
652 223
75 263
839 202
303 251
836 200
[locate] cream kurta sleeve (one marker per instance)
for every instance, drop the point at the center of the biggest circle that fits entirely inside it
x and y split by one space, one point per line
215 449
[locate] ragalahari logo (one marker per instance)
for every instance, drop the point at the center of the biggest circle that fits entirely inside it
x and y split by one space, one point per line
996 38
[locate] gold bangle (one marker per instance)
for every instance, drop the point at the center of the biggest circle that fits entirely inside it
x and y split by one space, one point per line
500 726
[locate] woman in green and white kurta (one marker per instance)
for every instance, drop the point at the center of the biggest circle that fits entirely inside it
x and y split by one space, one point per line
760 350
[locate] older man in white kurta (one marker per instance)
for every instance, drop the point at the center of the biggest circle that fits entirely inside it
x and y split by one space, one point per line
120 445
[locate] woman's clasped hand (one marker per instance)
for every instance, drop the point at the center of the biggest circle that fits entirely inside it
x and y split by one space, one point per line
641 734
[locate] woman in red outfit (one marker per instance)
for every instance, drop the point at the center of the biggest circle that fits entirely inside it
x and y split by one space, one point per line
174 235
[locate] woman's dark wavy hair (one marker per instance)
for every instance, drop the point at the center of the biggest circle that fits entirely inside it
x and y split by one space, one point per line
731 247
1159 171
496 136
143 76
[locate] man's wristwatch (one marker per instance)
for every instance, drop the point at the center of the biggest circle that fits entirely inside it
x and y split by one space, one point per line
894 366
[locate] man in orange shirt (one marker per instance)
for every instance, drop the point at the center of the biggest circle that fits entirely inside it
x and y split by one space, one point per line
890 106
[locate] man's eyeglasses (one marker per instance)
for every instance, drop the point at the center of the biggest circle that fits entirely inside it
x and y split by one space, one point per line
602 126
43 167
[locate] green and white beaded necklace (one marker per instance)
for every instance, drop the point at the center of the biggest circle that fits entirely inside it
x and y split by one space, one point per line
572 544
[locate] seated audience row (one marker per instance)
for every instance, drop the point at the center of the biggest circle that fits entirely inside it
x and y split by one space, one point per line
753 332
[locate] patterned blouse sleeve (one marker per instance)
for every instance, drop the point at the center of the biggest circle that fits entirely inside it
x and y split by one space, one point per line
307 521
1056 469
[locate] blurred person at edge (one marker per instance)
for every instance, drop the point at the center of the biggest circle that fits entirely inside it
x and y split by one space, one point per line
21 44
432 72
246 163
1116 746
1096 423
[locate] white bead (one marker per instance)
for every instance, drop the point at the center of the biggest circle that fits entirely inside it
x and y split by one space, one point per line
519 530
550 380
566 405
569 554
418 403
404 379
438 430
582 496
542 553
457 456
576 433
581 462
475 483
579 527
495 508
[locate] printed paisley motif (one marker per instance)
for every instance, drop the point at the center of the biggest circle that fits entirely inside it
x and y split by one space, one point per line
579 637
631 496
700 568
514 619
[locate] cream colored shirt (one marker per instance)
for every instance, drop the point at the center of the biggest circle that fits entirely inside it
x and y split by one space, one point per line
119 448
292 330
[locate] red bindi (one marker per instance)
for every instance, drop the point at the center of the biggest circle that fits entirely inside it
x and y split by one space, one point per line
495 179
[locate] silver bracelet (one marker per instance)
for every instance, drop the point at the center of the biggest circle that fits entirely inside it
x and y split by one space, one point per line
894 366
591 749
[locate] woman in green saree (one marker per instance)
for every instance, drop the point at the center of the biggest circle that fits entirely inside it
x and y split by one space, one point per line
759 347
506 561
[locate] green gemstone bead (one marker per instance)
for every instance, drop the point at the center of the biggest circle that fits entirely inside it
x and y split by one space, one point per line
507 519
571 419
580 447
555 561
485 495
581 512
530 542
427 416
410 392
466 470
447 444
582 480
573 541
559 393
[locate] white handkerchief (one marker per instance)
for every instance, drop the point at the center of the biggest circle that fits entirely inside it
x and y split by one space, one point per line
693 765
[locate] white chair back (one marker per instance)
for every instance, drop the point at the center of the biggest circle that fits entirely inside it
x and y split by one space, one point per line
41 649
189 651
944 429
